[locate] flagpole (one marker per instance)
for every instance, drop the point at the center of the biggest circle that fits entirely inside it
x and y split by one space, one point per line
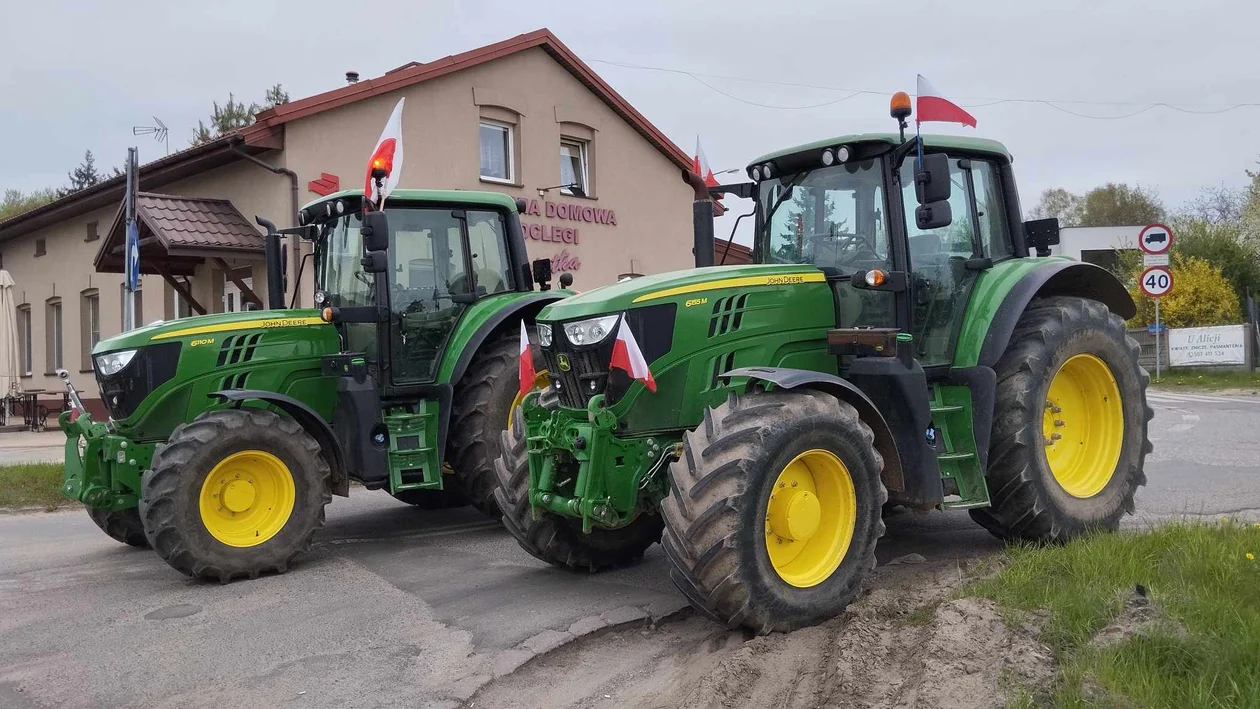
129 306
918 138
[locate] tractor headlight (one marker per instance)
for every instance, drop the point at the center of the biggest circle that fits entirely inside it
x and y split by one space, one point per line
544 334
112 363
589 332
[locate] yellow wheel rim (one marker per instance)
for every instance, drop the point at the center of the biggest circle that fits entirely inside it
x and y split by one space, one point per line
810 518
1083 425
541 381
247 498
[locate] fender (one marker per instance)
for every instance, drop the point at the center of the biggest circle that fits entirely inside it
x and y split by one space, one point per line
1037 278
526 307
893 475
308 419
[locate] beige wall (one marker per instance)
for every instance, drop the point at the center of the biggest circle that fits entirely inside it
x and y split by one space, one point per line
440 134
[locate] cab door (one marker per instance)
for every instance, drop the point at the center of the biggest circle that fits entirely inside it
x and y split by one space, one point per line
945 262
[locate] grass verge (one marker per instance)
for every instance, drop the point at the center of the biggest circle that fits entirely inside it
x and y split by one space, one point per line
1203 652
1199 379
31 485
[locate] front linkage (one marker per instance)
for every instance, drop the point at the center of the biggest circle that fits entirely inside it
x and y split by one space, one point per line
579 469
102 468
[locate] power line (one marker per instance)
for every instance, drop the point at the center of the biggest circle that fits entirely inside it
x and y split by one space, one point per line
1143 107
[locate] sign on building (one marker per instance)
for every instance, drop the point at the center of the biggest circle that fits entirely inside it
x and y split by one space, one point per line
1224 344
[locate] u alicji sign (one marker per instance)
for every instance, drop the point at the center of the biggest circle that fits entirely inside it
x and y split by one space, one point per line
562 234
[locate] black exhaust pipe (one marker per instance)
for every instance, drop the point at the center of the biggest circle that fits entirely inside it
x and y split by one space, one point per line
275 265
701 219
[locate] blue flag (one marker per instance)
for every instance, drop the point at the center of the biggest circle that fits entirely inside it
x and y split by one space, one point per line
133 256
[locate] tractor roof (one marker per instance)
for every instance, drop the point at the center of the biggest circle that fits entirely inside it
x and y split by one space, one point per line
472 197
948 142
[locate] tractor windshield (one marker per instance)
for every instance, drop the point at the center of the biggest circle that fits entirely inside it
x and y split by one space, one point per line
830 217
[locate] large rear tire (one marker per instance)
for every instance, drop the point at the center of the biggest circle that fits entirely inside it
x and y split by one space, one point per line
559 541
234 494
482 404
1069 432
774 510
121 525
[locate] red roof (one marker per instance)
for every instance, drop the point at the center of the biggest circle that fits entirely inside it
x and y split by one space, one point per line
180 231
269 121
736 254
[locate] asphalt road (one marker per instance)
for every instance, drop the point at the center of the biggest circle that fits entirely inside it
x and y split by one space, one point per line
397 607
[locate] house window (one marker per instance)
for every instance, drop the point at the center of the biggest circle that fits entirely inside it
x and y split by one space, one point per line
573 170
93 231
89 326
41 247
176 305
497 146
53 335
122 289
24 332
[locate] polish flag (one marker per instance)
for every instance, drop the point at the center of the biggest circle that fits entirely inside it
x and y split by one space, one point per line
527 363
388 155
931 106
700 166
627 357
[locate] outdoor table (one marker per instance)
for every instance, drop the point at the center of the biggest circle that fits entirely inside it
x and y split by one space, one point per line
31 415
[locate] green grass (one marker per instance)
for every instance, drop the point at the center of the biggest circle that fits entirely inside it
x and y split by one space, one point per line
1197 575
31 485
1199 379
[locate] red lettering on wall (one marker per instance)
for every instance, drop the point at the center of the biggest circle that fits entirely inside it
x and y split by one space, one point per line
551 210
563 261
532 209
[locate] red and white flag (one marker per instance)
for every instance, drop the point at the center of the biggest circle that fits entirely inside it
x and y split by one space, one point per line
387 155
700 166
931 106
527 363
627 357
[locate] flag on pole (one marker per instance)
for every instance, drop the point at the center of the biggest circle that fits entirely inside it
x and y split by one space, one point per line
133 256
387 155
527 363
627 357
700 166
931 106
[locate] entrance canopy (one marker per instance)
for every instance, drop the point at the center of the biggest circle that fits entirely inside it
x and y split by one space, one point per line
177 234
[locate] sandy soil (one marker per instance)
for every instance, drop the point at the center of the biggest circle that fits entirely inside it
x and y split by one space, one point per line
907 643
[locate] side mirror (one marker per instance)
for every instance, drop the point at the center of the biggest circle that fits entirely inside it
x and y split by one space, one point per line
375 262
375 231
933 215
931 180
542 273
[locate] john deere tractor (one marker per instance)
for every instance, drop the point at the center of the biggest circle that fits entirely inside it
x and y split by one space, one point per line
228 433
894 343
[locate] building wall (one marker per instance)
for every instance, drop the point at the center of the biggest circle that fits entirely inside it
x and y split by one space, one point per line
1075 240
644 189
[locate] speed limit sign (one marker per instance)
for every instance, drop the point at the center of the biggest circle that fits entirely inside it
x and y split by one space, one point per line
1156 281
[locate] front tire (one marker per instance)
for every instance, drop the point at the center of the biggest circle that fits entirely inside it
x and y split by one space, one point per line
559 541
1067 456
234 494
774 510
121 525
482 404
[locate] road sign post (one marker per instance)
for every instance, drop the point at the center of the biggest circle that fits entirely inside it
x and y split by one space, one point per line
1156 281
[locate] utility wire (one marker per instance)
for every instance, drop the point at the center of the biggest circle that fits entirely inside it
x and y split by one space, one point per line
1143 107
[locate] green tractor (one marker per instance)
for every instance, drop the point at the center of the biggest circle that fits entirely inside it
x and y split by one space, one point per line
892 344
229 433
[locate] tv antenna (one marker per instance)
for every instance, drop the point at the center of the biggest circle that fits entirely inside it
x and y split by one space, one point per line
158 131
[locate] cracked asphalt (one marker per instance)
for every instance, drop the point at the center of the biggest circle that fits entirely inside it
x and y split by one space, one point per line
398 607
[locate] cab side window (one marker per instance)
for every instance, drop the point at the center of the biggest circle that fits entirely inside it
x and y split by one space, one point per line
995 232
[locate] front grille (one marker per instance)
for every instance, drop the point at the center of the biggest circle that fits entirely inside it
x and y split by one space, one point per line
588 375
152 367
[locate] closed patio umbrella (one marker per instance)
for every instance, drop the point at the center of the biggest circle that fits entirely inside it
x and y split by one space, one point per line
10 384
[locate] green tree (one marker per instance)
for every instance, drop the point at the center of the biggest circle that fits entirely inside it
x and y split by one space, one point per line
83 176
802 219
235 115
1057 202
15 201
1121 205
1224 246
1216 205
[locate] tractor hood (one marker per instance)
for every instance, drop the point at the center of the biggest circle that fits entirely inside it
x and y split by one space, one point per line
651 290
207 326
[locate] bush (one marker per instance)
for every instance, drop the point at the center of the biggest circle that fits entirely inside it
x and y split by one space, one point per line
1201 296
1222 245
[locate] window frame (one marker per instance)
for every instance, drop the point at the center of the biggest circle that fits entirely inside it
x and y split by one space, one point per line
89 304
54 322
122 304
584 163
1001 216
93 231
41 247
509 148
26 330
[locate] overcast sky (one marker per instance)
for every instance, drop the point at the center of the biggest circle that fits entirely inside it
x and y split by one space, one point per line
79 75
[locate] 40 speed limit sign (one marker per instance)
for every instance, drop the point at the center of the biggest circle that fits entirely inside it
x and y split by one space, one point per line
1156 281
